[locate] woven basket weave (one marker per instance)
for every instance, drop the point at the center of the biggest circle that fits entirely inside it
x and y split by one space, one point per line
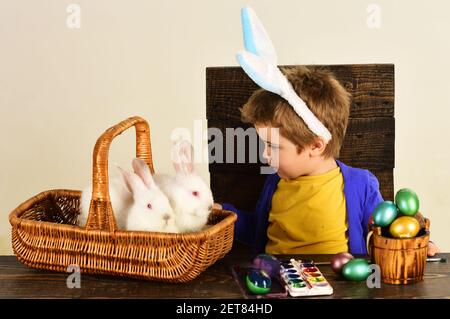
45 234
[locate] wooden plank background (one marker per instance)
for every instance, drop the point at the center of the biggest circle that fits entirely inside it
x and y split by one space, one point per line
369 141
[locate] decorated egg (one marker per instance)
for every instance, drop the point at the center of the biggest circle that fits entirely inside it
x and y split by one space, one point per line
407 201
404 227
339 260
268 263
258 281
384 213
356 270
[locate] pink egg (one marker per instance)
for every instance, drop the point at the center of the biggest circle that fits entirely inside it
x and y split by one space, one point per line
339 260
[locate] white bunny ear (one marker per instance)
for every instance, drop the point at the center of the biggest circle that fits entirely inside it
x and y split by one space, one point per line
266 75
182 157
133 183
259 61
256 39
142 170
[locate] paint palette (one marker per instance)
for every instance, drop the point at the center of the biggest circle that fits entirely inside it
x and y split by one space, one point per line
303 278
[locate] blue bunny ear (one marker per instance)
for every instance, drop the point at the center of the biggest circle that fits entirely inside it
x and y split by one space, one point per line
256 39
259 61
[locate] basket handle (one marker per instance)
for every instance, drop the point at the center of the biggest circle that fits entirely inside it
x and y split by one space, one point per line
101 215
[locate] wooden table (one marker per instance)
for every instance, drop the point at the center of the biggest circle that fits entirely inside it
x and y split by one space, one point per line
19 281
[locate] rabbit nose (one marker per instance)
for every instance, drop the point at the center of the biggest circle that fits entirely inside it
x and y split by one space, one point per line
210 207
166 217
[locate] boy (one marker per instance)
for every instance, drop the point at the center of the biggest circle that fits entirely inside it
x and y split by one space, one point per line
313 204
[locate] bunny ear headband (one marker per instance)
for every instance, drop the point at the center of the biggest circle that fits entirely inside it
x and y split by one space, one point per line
259 61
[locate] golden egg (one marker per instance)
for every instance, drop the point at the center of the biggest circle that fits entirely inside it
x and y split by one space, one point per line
404 227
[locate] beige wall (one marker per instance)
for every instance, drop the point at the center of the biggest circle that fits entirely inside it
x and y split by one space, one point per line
60 88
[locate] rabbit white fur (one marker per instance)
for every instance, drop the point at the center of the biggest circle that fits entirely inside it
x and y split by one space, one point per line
138 204
121 200
189 196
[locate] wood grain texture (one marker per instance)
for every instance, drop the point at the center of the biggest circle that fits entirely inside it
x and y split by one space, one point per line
242 188
371 85
378 133
402 261
369 142
19 281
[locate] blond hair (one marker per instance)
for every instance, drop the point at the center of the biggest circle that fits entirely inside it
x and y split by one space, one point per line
323 94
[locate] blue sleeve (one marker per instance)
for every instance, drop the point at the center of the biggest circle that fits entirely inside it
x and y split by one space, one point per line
251 226
373 198
244 228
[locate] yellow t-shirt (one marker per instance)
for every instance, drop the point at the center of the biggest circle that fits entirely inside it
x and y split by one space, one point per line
308 215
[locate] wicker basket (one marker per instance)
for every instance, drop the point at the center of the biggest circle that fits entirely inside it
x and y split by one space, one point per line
45 234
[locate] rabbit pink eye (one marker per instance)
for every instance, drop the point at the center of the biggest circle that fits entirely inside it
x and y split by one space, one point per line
195 193
149 206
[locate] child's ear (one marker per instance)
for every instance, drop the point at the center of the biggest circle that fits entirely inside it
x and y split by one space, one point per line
318 147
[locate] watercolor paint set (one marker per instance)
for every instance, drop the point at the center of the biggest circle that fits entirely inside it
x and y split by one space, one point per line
303 278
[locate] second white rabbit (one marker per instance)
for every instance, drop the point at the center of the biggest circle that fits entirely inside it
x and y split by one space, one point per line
190 197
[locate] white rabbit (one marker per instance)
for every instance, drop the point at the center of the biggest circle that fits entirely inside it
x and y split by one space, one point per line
121 201
138 204
189 196
151 210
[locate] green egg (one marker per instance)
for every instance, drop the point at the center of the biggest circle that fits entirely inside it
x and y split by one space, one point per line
258 281
384 214
407 201
356 270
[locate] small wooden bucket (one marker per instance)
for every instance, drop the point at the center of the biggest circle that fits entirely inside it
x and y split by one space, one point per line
401 261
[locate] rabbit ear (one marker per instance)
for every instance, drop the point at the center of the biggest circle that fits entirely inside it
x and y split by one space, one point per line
259 61
182 157
141 169
133 183
266 75
256 39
